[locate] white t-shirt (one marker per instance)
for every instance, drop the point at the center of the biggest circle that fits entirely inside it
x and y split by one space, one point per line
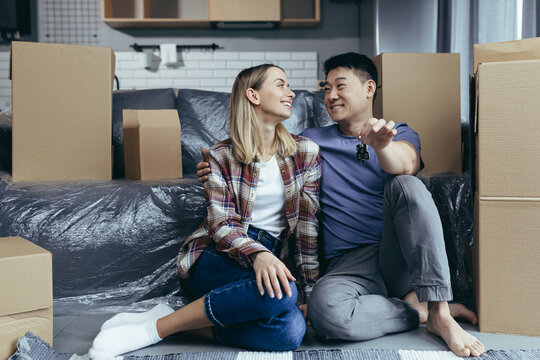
269 207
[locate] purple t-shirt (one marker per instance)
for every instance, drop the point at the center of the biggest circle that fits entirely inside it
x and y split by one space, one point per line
351 193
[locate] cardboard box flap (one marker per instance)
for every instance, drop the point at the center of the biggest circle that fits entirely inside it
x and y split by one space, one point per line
17 246
526 49
151 118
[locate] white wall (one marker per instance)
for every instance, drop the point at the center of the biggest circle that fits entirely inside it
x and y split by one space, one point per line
406 26
214 71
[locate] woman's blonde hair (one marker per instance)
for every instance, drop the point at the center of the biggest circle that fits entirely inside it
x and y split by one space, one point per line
246 133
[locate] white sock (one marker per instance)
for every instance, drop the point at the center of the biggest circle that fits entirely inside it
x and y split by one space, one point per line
157 312
124 338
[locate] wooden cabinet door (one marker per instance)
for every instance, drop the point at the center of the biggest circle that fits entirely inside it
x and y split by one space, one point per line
244 10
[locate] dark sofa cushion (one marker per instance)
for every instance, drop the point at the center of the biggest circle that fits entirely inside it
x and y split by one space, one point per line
5 146
151 99
204 116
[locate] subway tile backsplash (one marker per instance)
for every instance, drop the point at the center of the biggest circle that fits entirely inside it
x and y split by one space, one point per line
203 70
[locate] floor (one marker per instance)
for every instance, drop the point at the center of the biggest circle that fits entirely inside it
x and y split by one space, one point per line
74 334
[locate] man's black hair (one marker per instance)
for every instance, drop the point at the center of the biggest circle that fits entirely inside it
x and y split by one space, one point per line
361 64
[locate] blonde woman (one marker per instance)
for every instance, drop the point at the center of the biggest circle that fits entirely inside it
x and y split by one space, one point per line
262 198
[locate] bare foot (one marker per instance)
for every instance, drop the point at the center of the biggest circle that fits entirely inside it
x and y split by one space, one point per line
422 308
457 311
442 324
461 312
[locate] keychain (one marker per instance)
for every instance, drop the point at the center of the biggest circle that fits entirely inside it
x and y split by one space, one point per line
362 153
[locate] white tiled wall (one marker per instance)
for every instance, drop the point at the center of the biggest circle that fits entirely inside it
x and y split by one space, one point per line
197 70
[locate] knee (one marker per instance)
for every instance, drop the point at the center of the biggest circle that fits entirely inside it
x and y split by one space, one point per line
291 334
329 309
407 186
275 306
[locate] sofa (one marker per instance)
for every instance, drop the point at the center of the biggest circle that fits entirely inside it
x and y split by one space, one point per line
114 243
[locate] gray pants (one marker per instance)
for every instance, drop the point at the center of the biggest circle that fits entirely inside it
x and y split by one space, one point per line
359 297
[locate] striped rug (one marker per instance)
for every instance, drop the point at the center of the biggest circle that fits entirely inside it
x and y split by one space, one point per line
337 354
32 347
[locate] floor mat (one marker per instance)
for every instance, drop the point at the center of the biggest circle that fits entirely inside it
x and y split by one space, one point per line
31 347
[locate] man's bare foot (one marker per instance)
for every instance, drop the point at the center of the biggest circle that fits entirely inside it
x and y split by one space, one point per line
422 308
461 312
457 311
442 324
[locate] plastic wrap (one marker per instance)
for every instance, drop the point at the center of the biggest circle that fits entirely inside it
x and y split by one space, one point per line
320 116
453 197
113 243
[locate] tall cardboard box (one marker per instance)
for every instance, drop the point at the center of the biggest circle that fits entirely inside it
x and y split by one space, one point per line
62 110
422 90
152 148
26 301
507 207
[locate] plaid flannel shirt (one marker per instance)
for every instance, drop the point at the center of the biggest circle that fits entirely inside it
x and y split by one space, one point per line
230 192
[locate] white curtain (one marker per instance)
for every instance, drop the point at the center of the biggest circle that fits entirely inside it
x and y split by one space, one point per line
482 21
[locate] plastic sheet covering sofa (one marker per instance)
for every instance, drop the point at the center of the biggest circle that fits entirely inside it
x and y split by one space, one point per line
114 243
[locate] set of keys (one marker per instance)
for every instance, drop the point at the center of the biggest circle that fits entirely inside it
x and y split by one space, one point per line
362 153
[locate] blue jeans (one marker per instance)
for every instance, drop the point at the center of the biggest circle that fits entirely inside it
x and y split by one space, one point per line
233 303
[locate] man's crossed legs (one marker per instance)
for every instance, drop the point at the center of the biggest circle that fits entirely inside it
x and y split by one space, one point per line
360 296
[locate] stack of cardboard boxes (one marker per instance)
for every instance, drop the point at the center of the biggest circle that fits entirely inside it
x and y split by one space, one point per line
506 253
26 301
62 108
62 131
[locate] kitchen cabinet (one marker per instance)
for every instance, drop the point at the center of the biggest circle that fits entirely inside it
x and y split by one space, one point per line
204 14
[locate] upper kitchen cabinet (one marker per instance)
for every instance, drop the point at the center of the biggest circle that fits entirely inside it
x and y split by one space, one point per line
201 14
153 13
300 13
244 10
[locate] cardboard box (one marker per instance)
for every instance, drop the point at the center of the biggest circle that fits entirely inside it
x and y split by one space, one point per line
506 253
506 258
507 126
526 49
62 109
423 91
26 300
152 148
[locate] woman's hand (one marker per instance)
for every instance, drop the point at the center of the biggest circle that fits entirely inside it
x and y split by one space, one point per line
203 168
270 271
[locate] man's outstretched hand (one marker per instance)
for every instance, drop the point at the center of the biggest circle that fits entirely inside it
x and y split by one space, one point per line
203 168
378 133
